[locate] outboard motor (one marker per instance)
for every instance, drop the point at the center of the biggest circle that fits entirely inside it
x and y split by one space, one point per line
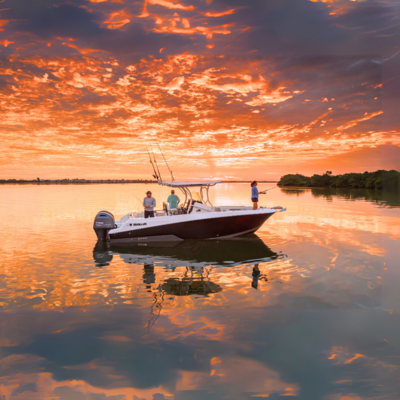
103 223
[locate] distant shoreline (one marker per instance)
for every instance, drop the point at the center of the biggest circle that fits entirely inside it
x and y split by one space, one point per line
249 181
381 179
92 181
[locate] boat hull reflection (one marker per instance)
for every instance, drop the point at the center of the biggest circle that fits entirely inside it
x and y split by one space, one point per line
244 250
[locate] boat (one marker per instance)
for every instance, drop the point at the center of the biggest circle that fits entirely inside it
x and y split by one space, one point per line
196 219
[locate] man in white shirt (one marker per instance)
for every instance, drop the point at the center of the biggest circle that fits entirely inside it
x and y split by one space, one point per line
149 203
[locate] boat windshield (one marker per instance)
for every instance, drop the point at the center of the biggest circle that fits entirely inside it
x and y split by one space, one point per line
196 197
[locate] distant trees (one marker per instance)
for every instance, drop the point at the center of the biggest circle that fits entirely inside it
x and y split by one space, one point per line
382 180
294 180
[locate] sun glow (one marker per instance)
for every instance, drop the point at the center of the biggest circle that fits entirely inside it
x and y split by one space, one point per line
68 100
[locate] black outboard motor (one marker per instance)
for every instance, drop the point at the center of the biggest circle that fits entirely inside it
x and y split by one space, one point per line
103 222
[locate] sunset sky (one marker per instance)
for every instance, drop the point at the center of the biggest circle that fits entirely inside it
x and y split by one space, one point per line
231 89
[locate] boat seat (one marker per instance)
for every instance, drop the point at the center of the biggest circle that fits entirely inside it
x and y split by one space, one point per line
169 211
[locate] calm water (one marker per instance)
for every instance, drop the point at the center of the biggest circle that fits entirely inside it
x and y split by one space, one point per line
184 322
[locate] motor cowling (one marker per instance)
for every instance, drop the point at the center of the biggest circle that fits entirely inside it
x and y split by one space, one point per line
103 223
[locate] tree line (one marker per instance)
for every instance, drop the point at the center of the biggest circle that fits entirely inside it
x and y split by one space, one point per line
380 180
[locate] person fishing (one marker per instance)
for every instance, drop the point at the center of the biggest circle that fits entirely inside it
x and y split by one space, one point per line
255 193
149 203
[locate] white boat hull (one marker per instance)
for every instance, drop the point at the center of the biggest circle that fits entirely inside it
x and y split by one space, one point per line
214 225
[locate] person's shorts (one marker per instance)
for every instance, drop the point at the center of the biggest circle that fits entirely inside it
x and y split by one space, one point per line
254 199
148 214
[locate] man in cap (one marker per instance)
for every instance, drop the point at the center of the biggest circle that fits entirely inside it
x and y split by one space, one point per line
149 203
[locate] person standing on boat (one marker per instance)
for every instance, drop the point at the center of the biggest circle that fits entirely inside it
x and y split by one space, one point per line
149 203
254 194
173 200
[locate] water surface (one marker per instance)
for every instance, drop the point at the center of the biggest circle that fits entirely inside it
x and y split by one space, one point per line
196 320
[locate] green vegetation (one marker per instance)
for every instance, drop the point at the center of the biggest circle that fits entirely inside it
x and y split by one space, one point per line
380 180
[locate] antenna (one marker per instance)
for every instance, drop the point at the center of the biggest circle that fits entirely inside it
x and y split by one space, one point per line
165 161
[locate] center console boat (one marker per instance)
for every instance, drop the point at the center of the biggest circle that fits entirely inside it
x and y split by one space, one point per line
196 219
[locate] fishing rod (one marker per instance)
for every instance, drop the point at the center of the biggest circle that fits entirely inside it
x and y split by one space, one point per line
151 162
263 192
138 200
159 174
172 176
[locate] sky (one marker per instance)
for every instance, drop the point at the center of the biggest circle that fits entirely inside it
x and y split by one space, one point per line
229 89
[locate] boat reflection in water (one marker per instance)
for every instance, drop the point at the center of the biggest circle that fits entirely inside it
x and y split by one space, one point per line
195 256
194 253
188 264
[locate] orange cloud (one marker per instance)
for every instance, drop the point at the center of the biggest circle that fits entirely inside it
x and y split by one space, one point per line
341 355
244 374
219 14
354 358
185 23
338 7
183 26
215 360
170 5
6 43
84 51
355 122
46 386
200 30
276 96
117 19
212 102
176 83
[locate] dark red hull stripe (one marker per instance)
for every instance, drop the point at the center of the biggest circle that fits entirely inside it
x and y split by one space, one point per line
200 229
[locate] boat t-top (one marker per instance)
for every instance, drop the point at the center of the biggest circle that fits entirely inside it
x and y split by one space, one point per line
197 218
